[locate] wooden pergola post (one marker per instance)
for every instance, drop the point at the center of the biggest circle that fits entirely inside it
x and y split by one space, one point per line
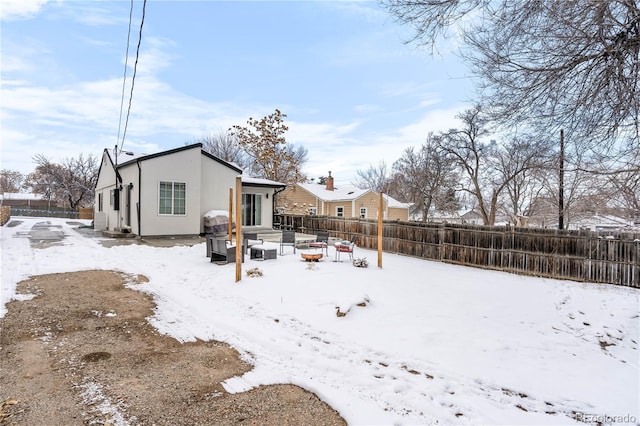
230 214
380 231
238 228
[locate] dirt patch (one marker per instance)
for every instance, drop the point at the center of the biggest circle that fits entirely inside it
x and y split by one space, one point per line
82 352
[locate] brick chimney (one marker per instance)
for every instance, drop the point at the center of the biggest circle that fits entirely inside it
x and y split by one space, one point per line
330 182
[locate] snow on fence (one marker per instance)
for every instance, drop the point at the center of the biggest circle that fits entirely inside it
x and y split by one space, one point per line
44 212
576 255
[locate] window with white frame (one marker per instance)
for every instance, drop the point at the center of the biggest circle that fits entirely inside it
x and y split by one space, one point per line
340 211
313 211
172 199
363 212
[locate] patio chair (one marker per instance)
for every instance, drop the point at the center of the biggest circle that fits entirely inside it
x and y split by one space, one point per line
346 248
321 242
288 239
251 239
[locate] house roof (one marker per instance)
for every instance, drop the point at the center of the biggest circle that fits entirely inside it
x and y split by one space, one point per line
341 193
132 158
600 220
251 181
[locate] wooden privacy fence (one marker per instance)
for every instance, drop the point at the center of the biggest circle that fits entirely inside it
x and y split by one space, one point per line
576 255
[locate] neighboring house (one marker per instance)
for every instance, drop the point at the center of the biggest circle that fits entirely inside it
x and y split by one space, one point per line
344 201
472 217
169 193
600 223
22 199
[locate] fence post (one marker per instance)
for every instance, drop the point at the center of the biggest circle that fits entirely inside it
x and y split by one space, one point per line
441 242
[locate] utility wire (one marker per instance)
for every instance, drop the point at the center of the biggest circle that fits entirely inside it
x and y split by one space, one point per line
133 77
124 77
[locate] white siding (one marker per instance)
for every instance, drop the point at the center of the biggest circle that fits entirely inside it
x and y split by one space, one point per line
182 166
215 183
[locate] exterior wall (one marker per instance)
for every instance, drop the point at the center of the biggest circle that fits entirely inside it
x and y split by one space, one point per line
368 200
107 218
183 166
216 180
296 200
330 207
398 214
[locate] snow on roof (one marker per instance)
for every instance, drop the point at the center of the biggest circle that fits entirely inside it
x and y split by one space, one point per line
260 181
393 203
342 192
126 156
598 219
21 196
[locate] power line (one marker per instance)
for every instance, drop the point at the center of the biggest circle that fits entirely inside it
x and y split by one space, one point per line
124 77
133 77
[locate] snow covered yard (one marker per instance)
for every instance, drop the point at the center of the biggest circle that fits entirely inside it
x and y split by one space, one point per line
432 343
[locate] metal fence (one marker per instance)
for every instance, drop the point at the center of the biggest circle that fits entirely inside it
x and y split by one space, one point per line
577 255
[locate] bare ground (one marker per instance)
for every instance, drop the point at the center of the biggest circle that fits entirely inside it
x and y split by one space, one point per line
82 352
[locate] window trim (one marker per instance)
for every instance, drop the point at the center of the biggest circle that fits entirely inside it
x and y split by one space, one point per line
173 198
340 211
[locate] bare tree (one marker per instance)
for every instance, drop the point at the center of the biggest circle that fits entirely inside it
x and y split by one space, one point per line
488 167
293 158
374 178
521 164
72 181
546 63
428 178
10 181
583 191
626 191
226 147
272 158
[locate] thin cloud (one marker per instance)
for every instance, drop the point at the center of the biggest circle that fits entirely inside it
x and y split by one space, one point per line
12 10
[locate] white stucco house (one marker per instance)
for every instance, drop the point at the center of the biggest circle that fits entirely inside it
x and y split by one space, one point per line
169 193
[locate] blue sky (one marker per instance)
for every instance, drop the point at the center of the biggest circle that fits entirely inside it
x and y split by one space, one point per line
353 92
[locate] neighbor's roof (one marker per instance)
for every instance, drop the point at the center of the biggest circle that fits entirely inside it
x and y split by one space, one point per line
347 192
393 203
341 192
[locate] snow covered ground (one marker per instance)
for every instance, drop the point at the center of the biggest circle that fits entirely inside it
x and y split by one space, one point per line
434 343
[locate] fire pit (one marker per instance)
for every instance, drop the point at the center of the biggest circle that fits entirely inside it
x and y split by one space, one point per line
311 257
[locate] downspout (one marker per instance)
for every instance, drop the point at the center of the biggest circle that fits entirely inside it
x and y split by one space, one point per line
273 202
139 198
